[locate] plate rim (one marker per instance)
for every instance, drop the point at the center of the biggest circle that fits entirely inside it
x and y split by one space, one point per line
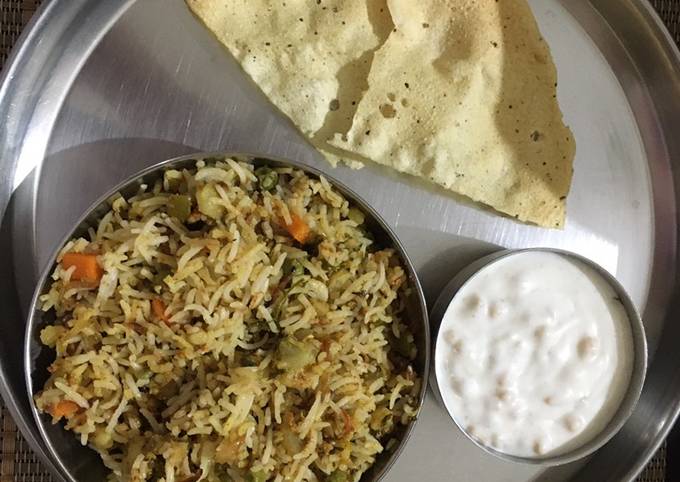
31 39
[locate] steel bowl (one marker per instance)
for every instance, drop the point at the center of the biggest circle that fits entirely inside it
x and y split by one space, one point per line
639 352
79 463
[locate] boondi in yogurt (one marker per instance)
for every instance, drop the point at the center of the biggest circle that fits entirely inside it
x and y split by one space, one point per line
536 354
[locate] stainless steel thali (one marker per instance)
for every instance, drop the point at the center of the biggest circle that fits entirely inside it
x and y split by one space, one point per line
99 90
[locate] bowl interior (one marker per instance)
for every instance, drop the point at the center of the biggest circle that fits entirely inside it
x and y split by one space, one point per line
79 463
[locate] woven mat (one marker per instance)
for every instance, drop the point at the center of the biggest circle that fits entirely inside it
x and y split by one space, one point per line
17 462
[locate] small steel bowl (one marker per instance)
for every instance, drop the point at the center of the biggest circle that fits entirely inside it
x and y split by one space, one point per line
639 352
80 464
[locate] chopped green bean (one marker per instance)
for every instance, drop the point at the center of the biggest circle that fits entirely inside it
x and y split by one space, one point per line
267 178
179 206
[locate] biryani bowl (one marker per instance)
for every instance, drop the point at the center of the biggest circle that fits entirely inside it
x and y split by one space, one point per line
79 462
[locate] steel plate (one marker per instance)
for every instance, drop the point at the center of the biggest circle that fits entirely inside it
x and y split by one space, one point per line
99 90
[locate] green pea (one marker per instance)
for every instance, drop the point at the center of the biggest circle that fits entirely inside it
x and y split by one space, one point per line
293 355
257 476
338 476
356 215
267 178
293 267
146 375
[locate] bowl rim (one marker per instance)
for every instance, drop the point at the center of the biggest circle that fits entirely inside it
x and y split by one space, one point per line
255 159
638 349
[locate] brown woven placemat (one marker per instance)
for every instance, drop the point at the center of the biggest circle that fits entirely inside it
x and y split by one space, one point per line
18 463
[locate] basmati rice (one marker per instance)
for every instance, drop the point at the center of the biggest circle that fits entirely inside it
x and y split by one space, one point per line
270 360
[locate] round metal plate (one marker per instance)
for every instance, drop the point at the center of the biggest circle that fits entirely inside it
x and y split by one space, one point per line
99 90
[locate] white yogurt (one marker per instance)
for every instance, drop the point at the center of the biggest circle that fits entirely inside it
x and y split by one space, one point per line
535 354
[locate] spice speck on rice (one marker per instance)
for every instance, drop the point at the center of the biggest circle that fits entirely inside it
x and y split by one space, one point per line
230 323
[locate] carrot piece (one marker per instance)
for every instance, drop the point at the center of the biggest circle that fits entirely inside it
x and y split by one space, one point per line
348 425
87 268
298 229
64 408
158 308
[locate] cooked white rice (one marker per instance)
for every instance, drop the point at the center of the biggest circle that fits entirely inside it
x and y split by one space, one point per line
271 360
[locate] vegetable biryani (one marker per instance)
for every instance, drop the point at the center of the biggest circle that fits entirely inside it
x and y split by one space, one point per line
231 323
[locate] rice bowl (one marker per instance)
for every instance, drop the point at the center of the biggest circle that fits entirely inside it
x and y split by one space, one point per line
239 329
